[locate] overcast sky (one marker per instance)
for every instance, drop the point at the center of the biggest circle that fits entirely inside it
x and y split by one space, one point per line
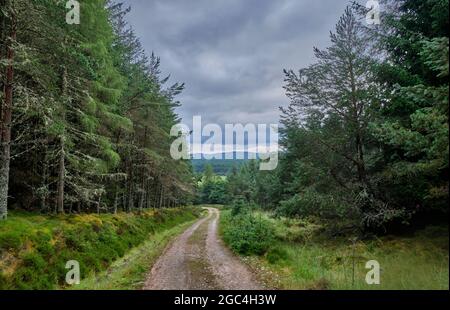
231 53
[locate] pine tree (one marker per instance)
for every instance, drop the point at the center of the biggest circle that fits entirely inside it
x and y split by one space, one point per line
92 115
413 129
9 34
340 86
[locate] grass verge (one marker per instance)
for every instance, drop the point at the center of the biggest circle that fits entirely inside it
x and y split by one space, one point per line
34 249
130 271
301 258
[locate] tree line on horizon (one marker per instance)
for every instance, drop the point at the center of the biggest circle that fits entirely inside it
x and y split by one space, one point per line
85 114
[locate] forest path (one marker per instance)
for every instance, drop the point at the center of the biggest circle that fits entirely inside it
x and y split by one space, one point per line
198 260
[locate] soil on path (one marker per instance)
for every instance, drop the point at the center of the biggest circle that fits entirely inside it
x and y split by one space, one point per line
198 260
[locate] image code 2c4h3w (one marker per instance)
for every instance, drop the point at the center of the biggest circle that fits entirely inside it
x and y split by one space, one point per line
249 152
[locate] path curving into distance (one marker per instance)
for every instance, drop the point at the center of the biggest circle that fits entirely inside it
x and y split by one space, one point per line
198 260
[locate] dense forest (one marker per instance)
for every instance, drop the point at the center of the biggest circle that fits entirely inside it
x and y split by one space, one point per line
85 113
365 137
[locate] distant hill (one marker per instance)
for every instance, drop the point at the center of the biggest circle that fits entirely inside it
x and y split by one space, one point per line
221 166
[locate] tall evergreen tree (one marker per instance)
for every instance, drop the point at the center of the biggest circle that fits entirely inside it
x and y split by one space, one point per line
8 34
91 118
413 127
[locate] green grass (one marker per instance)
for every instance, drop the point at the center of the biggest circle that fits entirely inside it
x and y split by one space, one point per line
302 258
130 271
34 249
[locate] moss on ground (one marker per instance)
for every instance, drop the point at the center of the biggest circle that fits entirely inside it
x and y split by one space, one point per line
301 257
34 249
130 271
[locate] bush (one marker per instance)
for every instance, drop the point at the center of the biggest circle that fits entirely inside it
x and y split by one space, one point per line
247 234
239 207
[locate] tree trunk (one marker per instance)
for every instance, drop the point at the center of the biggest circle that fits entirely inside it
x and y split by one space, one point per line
62 155
148 204
6 118
44 180
98 204
61 178
360 165
161 197
141 196
130 186
141 200
116 201
130 199
155 196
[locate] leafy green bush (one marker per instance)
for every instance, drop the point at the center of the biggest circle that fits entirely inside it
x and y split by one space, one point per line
239 207
247 234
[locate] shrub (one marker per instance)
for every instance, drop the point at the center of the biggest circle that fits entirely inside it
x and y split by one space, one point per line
247 234
239 207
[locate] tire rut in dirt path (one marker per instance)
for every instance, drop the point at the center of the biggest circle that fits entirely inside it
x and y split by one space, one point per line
198 260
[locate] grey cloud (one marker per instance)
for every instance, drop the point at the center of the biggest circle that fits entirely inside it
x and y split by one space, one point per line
231 53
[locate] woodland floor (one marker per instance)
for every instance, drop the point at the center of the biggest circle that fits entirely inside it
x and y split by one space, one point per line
198 260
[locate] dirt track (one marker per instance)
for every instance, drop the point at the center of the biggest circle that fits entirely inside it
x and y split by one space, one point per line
198 260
